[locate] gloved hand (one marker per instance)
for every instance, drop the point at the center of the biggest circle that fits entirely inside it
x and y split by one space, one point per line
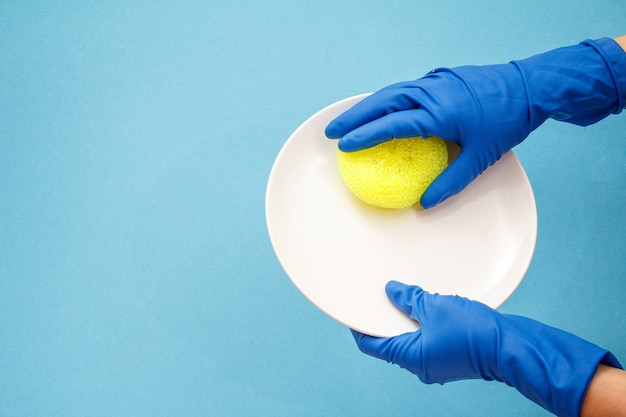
487 110
463 339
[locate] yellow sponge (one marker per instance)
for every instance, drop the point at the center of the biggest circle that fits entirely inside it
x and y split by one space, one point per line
395 173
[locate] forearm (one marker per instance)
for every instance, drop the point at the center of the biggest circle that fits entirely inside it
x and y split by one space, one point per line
621 41
606 396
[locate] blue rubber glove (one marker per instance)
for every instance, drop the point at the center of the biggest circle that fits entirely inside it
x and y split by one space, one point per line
463 339
487 110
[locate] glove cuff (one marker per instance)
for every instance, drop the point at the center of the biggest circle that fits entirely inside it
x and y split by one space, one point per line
615 59
586 373
580 84
549 366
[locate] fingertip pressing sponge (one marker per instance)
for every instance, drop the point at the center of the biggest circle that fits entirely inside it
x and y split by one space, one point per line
393 174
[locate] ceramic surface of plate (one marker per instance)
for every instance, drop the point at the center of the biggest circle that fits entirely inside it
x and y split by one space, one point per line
340 252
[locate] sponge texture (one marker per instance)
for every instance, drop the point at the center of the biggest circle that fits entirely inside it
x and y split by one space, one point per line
395 173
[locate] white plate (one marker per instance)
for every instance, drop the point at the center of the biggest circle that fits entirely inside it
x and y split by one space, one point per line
340 252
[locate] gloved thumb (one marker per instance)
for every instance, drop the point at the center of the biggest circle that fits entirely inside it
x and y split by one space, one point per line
462 171
410 299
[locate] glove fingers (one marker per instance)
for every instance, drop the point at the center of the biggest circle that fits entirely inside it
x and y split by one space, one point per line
401 124
370 108
392 349
462 171
372 346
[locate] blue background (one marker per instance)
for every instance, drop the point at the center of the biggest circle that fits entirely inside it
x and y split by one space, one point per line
136 139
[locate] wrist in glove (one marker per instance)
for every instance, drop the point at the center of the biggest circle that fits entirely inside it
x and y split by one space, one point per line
580 84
